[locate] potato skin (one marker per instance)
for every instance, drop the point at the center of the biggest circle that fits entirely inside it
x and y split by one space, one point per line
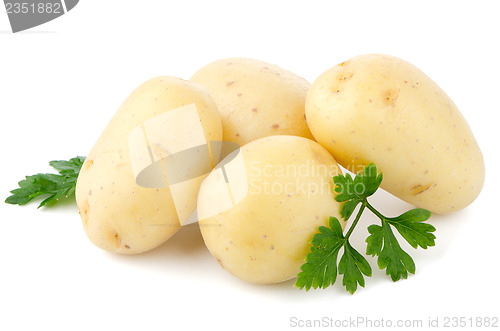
378 108
266 237
117 214
255 99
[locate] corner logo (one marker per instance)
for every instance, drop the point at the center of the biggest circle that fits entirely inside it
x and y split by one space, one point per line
25 14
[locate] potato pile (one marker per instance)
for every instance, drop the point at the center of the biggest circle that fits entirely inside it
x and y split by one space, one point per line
252 148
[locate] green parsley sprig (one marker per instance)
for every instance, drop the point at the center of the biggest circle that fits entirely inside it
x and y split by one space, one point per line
320 269
56 186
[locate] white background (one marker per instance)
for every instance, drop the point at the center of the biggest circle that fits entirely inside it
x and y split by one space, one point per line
61 82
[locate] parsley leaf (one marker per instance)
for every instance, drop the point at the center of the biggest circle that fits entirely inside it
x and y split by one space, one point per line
361 187
56 186
353 191
351 265
321 267
391 256
410 225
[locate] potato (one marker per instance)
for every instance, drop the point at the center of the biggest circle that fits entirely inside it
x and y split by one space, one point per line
255 99
381 109
118 214
261 206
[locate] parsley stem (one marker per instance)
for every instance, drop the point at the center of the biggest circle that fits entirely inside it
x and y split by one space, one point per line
376 212
358 216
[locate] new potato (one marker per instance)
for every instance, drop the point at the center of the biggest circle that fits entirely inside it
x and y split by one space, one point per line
381 109
255 99
119 215
264 236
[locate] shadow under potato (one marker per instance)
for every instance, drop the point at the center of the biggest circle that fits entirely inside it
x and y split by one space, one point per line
186 244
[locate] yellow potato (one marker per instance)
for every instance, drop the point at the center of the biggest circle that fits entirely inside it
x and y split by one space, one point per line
255 99
118 214
259 209
381 109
